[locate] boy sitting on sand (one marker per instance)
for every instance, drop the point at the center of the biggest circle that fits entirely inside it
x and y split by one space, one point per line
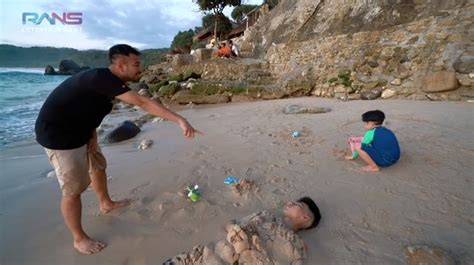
379 146
267 237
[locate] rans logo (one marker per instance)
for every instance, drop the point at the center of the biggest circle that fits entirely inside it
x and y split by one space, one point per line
67 18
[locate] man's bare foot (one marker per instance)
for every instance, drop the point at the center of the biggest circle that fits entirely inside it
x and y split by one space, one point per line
348 158
370 168
89 246
110 206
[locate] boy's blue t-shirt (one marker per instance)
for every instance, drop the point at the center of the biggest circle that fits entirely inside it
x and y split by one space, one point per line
386 144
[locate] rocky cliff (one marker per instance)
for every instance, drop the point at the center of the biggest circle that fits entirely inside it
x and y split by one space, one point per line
349 49
405 48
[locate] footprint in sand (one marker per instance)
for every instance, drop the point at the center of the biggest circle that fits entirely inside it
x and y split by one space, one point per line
139 189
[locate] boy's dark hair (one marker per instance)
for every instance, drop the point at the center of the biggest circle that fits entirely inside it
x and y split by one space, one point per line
375 116
314 209
121 49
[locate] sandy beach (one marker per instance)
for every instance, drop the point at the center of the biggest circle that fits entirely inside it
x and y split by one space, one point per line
368 218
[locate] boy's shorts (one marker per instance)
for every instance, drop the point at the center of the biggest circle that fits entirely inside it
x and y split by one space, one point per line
73 167
380 160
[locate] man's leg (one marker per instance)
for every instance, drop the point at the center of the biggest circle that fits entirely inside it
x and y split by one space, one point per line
71 207
371 165
99 184
71 168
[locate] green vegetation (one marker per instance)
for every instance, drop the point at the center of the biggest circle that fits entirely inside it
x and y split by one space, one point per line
271 3
205 88
13 56
345 78
216 6
224 25
183 41
168 90
239 12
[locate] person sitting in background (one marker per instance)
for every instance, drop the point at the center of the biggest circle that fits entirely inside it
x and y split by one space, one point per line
211 44
267 237
235 52
224 51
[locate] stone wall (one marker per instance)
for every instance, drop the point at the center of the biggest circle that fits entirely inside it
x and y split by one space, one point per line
402 47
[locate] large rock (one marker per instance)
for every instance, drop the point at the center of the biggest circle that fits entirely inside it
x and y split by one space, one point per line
190 75
426 255
396 82
125 131
388 93
68 67
149 78
241 98
440 81
138 86
464 64
370 94
203 55
186 97
49 70
182 60
297 109
144 92
169 89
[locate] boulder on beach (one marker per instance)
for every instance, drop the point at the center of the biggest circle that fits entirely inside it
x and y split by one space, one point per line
297 109
125 131
419 254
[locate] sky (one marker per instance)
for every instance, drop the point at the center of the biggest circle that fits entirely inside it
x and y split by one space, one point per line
143 24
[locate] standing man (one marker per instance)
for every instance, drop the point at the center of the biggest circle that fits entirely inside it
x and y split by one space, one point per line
66 128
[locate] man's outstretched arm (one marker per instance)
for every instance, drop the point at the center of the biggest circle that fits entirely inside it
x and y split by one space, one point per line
155 108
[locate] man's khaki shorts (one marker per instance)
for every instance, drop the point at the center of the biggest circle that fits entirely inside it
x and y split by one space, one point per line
73 167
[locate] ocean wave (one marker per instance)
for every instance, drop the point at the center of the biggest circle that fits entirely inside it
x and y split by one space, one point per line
19 109
22 93
22 70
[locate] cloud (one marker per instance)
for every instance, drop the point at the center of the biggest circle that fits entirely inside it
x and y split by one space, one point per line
147 24
143 24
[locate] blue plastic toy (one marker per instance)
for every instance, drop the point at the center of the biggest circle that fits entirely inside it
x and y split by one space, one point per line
231 180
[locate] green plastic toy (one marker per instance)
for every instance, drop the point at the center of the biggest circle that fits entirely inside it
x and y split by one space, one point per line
194 194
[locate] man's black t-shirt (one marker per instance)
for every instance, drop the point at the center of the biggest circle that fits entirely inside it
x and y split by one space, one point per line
76 107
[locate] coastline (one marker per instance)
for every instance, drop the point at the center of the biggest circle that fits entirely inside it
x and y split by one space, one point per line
367 218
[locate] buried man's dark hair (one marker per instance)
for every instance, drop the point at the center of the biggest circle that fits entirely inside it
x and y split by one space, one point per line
121 49
375 116
314 209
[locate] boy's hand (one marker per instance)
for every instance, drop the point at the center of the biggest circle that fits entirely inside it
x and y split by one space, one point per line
349 158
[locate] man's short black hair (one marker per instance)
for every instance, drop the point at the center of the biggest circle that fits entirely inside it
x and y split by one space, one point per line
375 116
121 49
314 209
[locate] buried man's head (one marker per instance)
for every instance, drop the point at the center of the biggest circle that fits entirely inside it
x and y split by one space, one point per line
302 214
125 62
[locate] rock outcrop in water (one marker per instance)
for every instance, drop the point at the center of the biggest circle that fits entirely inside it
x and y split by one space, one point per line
66 67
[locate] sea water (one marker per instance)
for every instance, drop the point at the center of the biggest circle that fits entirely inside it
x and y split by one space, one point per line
22 93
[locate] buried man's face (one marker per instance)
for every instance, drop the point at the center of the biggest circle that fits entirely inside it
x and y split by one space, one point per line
299 214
